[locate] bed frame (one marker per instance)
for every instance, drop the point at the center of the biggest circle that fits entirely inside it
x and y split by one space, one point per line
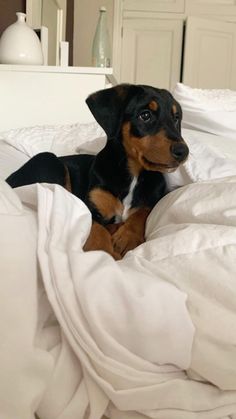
39 95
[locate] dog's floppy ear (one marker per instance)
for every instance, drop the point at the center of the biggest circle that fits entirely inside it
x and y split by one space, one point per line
107 107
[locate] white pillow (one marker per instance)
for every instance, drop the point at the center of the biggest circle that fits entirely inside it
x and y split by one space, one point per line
59 139
208 161
208 110
10 159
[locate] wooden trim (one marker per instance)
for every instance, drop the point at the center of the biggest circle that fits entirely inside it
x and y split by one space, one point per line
210 8
34 13
117 38
171 6
57 69
70 28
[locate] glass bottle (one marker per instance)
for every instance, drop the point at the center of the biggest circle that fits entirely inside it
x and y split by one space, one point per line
101 51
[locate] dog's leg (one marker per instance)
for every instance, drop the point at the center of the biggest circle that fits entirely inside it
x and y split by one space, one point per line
103 205
132 232
43 167
100 239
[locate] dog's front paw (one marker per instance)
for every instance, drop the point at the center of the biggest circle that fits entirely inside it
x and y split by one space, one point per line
100 239
125 239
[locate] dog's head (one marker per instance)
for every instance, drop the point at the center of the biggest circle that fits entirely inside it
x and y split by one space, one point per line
147 120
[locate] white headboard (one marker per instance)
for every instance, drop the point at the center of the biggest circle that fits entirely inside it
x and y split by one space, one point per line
39 95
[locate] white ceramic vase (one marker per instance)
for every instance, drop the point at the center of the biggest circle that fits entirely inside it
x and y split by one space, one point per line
19 44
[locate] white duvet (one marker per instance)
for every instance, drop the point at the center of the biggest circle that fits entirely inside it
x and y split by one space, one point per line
153 335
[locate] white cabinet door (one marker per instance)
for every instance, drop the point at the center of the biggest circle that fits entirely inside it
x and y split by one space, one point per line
151 52
210 54
171 6
210 8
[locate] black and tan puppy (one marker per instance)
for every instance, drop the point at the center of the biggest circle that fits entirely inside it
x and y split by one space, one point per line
123 182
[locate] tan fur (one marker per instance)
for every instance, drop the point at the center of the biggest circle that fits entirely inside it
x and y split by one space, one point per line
100 239
106 203
154 148
132 232
67 184
174 109
153 105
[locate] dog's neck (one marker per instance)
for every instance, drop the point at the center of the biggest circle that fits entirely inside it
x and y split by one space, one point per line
133 166
128 199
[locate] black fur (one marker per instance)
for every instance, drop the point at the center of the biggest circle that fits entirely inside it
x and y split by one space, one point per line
111 169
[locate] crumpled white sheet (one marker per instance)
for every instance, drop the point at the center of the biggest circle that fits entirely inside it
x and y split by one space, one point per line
97 362
208 110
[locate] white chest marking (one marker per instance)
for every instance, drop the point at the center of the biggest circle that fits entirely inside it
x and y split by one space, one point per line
128 199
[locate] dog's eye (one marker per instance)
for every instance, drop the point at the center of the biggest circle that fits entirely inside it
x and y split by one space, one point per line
176 118
145 116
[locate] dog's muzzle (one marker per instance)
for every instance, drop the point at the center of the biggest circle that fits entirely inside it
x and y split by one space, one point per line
179 151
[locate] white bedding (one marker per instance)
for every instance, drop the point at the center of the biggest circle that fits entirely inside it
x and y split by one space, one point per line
208 110
153 335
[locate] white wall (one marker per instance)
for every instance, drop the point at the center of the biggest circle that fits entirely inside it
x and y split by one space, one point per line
85 20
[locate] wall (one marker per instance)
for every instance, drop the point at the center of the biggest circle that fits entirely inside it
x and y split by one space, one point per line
70 28
8 9
85 20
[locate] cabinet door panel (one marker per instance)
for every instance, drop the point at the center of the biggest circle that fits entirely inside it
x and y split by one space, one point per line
210 7
171 6
151 52
210 54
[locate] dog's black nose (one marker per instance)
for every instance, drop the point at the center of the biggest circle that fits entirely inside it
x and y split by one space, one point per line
179 151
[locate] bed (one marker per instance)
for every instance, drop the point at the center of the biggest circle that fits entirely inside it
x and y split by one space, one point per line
84 336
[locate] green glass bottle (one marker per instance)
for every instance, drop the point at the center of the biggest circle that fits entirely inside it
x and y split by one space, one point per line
101 51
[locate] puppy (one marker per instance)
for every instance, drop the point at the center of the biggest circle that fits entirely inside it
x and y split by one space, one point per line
123 182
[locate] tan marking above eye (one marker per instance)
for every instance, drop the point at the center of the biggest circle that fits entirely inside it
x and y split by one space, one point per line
153 105
174 109
106 203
